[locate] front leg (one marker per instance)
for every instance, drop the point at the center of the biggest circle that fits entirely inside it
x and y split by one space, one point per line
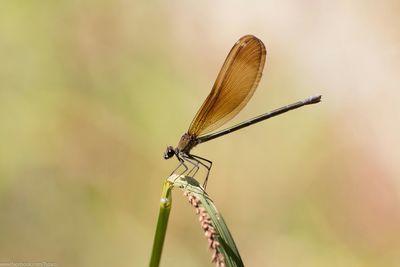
181 163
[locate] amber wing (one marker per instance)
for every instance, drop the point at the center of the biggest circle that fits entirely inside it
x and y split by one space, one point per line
234 86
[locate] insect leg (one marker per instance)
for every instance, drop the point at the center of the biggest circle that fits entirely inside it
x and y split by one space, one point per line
194 162
208 167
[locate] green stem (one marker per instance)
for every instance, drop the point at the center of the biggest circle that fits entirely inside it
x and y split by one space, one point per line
162 223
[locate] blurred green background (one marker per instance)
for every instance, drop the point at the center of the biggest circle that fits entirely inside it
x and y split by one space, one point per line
91 93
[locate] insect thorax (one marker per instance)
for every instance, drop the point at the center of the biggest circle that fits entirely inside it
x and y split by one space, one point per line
186 143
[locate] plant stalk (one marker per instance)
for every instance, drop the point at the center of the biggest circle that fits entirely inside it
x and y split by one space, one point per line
162 223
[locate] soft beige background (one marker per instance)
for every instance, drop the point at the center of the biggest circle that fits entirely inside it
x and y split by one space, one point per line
91 93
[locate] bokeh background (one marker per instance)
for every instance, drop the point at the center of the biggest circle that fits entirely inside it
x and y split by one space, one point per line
91 93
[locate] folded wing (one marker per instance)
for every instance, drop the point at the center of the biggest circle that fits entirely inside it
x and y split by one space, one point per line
234 86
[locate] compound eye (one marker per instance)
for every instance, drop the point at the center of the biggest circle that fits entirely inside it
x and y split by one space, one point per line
169 153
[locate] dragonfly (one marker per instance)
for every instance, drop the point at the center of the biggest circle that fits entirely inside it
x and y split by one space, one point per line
235 85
